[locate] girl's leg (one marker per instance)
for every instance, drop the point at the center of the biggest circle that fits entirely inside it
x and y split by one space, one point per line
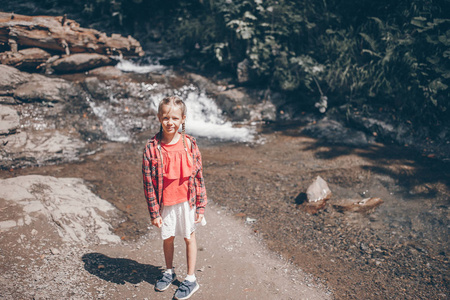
168 247
191 254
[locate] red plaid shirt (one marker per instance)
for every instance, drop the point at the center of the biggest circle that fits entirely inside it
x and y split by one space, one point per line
152 171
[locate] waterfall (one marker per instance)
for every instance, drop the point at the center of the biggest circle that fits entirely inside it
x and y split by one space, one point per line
121 116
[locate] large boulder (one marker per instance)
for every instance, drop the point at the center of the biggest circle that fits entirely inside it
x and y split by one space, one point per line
34 87
45 89
80 62
39 148
232 103
333 132
67 205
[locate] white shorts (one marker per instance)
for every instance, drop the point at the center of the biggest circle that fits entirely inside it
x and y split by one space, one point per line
178 220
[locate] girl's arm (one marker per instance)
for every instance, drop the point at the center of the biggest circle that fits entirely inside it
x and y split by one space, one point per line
149 190
200 188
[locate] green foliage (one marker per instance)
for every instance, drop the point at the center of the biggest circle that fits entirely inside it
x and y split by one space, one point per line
386 53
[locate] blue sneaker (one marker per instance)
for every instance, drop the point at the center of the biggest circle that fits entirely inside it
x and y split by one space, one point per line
165 281
186 289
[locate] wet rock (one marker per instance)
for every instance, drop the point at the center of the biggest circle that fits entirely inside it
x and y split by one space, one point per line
317 194
69 207
106 72
357 205
45 89
204 84
9 120
26 59
81 62
96 88
334 132
264 111
236 103
232 103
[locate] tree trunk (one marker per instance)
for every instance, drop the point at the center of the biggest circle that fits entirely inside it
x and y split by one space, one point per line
62 35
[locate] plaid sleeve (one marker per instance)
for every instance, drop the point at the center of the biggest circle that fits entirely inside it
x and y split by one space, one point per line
149 190
201 198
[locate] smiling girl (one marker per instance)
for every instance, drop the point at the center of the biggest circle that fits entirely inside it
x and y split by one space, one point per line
175 190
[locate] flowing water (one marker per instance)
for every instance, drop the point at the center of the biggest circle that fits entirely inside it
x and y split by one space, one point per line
121 114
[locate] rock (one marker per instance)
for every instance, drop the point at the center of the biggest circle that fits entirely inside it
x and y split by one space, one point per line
45 89
34 87
9 120
96 88
357 205
318 191
264 111
106 72
55 251
80 62
317 195
243 71
204 84
232 103
69 207
39 148
249 220
334 132
7 100
10 77
26 59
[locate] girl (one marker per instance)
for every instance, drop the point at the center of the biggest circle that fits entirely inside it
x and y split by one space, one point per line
175 190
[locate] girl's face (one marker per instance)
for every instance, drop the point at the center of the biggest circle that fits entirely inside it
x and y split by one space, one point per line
171 118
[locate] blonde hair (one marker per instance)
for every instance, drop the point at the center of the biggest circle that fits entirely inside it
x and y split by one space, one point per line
174 101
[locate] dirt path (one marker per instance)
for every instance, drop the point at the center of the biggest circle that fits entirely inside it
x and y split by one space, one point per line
232 264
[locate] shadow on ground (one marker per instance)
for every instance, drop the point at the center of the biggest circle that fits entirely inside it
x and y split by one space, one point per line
120 270
408 166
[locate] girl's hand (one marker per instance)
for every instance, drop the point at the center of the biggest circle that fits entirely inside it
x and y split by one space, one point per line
199 218
157 222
